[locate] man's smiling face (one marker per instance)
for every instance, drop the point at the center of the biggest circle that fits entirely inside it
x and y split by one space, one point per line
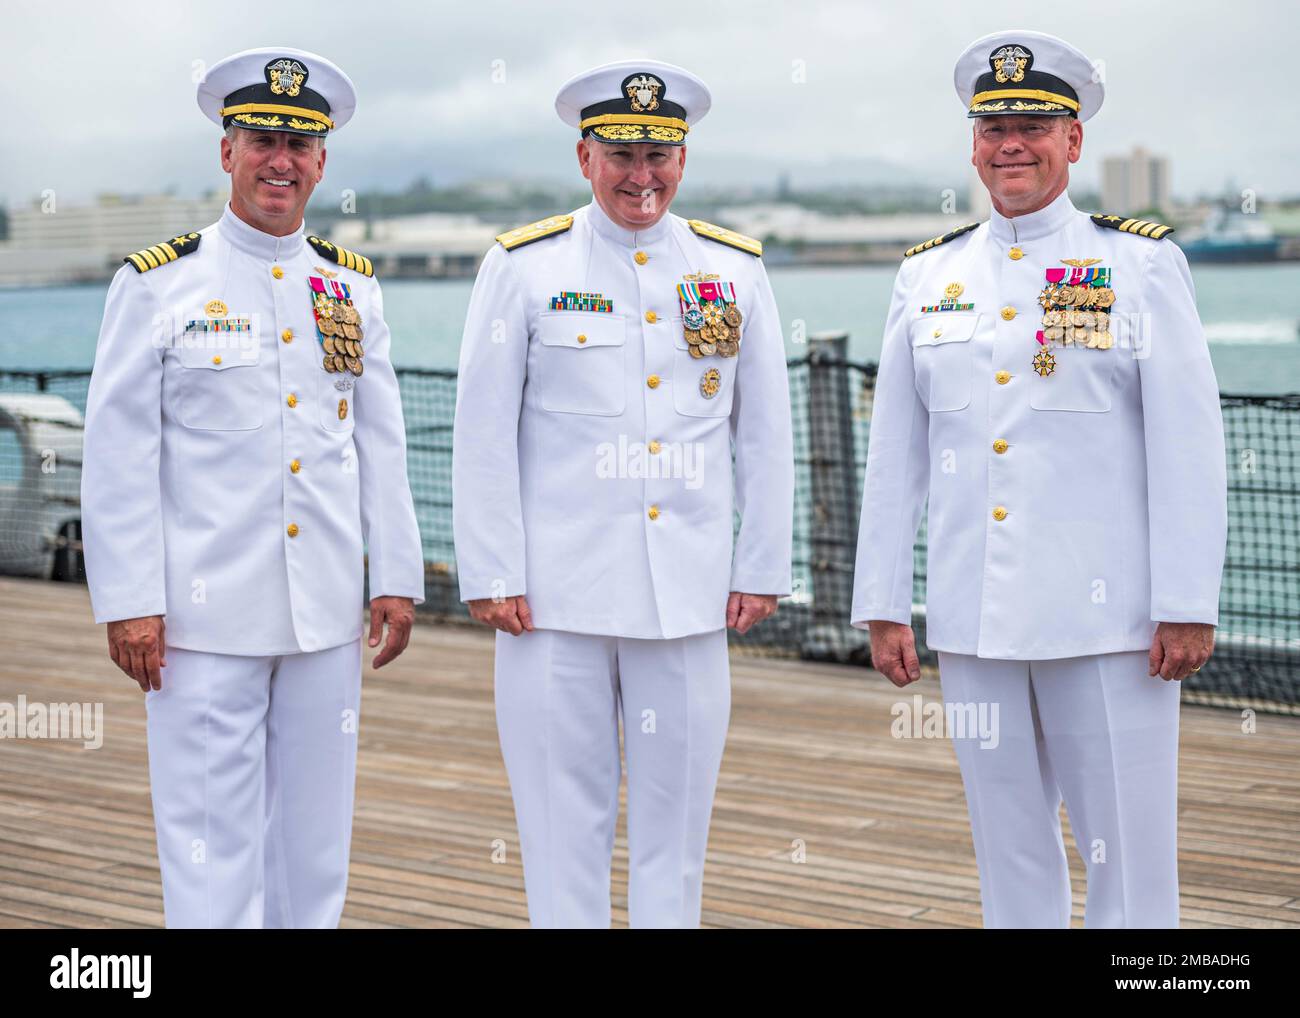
272 174
633 183
1024 161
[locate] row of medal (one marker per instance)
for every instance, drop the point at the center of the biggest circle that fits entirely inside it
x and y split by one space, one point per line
1076 306
338 324
710 319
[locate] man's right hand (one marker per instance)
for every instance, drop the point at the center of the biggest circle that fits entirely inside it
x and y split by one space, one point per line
508 614
139 648
893 652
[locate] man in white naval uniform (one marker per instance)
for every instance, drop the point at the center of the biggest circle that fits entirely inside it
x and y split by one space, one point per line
612 358
1045 381
233 469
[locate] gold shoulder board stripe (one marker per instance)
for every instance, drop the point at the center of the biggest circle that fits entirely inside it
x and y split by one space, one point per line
521 235
160 254
936 241
342 256
729 237
1142 227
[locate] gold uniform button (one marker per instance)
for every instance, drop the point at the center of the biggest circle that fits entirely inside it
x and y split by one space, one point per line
581 338
287 335
1008 313
1015 254
641 257
291 399
1003 377
292 530
295 466
216 359
999 514
277 272
651 317
938 333
655 446
653 381
654 512
1000 446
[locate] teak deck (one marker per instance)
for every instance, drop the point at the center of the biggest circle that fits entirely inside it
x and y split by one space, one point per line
810 761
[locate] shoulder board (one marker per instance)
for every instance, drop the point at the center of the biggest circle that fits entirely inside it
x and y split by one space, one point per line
936 241
160 254
543 228
729 237
1142 227
342 256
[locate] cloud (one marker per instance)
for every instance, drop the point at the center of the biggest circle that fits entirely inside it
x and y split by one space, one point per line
455 91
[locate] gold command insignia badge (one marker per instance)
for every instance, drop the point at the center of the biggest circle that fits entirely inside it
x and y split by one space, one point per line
710 383
1010 63
643 92
215 308
285 76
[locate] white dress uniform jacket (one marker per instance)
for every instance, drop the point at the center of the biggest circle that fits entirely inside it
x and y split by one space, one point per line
1069 513
205 451
591 471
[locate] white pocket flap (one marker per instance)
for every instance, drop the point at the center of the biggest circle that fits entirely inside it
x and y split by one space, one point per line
952 327
581 330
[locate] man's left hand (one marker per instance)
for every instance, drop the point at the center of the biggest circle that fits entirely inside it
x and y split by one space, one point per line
746 610
1180 648
399 613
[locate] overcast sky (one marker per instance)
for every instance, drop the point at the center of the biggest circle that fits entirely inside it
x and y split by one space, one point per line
101 96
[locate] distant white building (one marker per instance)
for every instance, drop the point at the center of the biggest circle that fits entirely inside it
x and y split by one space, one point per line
425 244
1135 183
838 237
75 243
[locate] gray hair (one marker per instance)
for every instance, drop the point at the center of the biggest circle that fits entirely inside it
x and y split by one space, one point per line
231 129
1064 120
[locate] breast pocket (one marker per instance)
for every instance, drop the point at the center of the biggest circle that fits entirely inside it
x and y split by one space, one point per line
704 386
335 399
1082 381
217 388
580 362
941 353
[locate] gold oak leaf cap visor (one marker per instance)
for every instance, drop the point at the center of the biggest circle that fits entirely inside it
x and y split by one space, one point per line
634 101
1018 72
278 89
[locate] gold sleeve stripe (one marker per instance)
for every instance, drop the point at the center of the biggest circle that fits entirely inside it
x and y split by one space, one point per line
342 256
164 252
936 241
539 230
731 238
1139 227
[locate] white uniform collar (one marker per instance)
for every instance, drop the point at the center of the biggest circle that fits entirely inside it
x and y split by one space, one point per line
256 243
1047 220
607 228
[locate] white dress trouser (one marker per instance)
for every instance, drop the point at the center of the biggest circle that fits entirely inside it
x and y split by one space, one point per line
558 700
1100 733
252 761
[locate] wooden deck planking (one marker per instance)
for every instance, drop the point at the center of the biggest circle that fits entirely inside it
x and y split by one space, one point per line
810 760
